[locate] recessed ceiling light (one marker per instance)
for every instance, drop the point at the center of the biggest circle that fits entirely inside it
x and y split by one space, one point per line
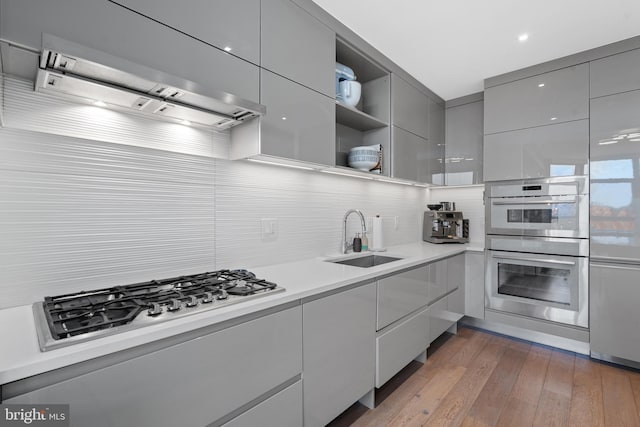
541 85
523 37
284 118
186 122
227 48
554 118
99 104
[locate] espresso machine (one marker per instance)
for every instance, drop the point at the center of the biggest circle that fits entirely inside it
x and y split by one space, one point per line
444 226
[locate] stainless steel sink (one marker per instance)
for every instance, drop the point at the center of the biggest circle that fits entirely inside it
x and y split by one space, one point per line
367 261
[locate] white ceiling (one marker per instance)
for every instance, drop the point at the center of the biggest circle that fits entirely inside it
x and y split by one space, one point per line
451 46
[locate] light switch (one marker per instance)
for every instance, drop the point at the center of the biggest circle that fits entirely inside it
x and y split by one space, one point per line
269 228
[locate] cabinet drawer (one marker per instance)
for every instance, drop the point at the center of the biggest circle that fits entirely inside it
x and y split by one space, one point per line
186 384
400 345
437 281
546 151
555 97
283 409
401 294
615 74
441 317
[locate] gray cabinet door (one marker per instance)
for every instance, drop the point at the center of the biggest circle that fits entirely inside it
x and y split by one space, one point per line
412 157
400 294
545 151
189 383
298 46
615 74
614 315
615 176
436 141
474 285
299 124
554 97
409 107
463 146
455 272
437 282
113 29
231 25
338 352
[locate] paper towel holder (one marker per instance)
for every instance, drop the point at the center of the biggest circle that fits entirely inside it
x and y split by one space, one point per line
377 241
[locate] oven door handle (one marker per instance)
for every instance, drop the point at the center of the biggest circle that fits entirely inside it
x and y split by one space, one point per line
546 261
535 202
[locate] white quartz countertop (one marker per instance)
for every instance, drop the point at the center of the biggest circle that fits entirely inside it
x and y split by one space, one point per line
21 357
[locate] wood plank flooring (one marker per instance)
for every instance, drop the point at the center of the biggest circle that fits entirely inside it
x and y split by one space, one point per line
480 379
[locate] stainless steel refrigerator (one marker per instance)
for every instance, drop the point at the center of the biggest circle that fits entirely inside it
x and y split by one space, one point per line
615 228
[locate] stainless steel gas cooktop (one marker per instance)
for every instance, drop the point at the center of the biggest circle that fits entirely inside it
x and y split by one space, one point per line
68 319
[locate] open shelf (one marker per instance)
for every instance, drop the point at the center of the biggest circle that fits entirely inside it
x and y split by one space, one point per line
356 119
368 122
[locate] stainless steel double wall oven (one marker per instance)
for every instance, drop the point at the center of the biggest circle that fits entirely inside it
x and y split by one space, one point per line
537 240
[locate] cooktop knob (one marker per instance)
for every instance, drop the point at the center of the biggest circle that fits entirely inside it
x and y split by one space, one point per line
155 309
193 301
174 305
208 297
223 294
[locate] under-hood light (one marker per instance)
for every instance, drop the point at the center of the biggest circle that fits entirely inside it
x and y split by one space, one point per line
99 104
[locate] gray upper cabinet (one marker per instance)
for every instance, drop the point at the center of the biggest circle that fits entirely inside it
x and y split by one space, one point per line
463 146
549 98
298 46
113 29
413 158
231 25
436 141
299 124
615 74
409 107
557 150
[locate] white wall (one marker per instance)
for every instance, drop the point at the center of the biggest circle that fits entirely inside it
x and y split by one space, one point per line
91 199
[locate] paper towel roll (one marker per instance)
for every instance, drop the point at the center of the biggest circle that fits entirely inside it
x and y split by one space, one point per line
377 243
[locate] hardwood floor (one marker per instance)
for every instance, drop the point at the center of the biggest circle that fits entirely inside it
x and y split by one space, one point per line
477 378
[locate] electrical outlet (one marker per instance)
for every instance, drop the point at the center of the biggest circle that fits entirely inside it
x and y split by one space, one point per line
269 228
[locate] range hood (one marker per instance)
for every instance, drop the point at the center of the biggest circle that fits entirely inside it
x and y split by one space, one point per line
73 70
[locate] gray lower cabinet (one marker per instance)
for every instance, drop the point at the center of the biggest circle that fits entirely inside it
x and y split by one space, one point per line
283 409
413 157
463 144
437 280
298 46
401 294
474 285
615 74
231 25
190 383
614 315
554 97
299 124
400 343
338 352
118 31
409 107
439 319
555 150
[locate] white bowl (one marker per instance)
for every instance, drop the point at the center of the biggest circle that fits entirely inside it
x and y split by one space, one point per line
363 162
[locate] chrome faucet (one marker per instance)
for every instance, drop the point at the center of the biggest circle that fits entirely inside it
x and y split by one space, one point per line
346 245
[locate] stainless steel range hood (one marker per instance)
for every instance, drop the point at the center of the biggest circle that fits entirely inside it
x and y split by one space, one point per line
73 70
